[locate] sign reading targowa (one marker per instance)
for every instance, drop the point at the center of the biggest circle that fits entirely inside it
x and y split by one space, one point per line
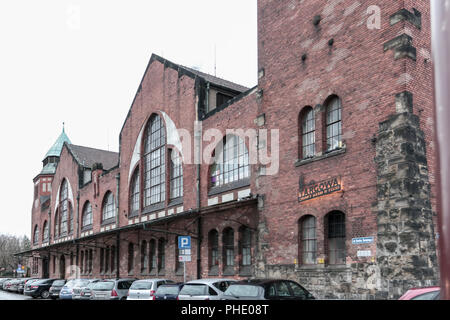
314 190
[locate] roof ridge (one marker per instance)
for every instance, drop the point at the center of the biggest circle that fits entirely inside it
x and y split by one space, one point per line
76 145
211 75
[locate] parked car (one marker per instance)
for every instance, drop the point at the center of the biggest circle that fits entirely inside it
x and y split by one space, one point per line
113 289
79 286
86 292
67 291
2 281
14 285
429 293
204 289
39 288
267 289
7 284
145 289
168 291
22 284
56 287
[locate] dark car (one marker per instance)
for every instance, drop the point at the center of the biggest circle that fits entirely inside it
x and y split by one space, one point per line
56 287
39 288
168 291
267 289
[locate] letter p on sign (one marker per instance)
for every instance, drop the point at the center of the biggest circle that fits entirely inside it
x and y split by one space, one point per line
184 242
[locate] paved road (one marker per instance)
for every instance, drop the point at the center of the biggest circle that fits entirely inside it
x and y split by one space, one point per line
5 295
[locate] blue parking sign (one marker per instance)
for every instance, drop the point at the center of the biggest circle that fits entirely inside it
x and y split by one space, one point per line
184 242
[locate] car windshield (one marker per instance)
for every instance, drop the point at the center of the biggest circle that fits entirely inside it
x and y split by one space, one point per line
91 285
104 286
243 291
70 283
141 285
162 290
81 283
194 290
427 296
59 283
221 285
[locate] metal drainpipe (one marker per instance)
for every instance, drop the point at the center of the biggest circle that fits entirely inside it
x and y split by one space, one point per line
78 216
117 199
198 137
77 233
117 226
117 255
207 97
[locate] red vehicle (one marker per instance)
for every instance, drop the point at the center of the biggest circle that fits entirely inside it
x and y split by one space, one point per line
430 293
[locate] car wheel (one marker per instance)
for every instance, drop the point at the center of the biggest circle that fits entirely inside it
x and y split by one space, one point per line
45 294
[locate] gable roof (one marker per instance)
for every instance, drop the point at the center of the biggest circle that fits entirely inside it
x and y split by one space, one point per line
86 156
192 73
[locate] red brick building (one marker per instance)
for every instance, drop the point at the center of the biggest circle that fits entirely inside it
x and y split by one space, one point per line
330 181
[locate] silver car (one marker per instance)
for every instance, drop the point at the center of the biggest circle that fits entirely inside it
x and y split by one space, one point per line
204 289
79 286
113 289
145 289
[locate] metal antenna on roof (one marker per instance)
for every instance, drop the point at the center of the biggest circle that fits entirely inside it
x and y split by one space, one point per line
215 61
63 126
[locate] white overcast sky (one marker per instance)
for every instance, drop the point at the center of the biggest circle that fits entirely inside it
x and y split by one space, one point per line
80 62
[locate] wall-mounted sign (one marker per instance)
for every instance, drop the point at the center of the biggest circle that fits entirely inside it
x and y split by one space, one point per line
362 240
364 253
318 189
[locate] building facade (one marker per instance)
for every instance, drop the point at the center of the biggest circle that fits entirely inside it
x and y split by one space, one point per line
323 173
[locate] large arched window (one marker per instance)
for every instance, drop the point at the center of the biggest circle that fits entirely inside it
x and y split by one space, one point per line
176 175
87 216
108 211
66 221
335 241
307 133
333 123
308 240
154 162
36 235
230 161
45 232
134 194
